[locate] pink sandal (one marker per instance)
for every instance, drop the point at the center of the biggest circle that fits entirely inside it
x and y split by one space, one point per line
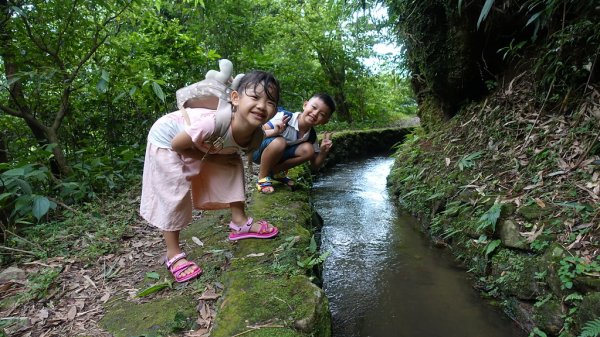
176 272
243 232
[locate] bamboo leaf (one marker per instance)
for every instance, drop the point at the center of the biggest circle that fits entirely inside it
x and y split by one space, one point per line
492 246
153 289
485 11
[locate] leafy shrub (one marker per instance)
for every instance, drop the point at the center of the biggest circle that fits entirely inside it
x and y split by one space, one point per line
18 202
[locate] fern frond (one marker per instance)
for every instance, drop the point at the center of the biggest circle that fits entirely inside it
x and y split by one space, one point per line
591 328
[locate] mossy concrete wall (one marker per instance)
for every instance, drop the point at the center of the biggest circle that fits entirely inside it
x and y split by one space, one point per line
263 289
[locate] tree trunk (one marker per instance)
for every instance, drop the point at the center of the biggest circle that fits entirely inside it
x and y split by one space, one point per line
342 106
3 149
336 76
17 103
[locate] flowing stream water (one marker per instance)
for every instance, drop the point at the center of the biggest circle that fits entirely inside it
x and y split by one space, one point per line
383 278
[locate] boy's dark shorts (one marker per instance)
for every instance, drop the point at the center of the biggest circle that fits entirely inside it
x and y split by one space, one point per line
289 152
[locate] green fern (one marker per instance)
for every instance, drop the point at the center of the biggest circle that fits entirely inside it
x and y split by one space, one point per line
591 328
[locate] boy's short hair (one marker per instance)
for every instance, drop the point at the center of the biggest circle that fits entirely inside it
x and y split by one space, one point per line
327 100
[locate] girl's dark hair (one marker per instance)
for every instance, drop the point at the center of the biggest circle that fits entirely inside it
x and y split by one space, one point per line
327 100
261 78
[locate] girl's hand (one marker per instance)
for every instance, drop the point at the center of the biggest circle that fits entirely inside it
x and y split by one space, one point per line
326 143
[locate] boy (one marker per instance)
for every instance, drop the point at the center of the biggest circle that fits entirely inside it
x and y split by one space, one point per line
291 140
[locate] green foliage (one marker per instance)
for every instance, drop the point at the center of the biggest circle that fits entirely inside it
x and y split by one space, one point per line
490 247
314 258
512 51
537 332
39 284
18 203
490 218
155 288
574 266
591 328
469 160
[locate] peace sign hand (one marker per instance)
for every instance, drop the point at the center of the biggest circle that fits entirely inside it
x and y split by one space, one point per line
326 143
280 126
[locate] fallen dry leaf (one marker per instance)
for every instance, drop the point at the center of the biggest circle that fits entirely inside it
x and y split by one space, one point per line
197 241
72 313
209 294
105 297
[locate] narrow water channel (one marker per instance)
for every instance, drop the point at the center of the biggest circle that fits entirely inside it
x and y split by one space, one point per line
383 278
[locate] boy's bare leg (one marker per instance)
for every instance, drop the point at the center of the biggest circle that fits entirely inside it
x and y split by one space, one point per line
173 248
271 156
303 153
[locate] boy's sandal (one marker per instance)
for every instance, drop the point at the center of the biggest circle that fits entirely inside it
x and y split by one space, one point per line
243 232
177 271
265 185
283 178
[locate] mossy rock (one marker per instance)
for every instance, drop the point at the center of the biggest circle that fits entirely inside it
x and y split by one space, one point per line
589 309
515 274
355 144
161 317
520 311
293 304
551 262
267 293
510 236
549 316
587 284
534 212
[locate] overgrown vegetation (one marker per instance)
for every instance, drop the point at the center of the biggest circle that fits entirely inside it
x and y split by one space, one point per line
79 92
506 170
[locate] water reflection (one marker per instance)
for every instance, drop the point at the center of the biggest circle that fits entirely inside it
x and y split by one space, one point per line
382 278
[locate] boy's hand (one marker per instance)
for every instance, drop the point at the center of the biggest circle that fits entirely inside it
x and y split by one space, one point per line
326 143
280 126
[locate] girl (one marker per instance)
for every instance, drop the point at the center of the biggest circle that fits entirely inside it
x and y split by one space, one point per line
178 159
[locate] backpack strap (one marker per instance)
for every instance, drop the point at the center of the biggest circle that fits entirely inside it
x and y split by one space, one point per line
222 120
312 135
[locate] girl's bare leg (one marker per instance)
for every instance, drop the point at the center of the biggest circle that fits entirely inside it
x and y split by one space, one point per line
172 242
238 216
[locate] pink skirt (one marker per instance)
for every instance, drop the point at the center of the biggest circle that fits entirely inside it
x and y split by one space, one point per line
172 186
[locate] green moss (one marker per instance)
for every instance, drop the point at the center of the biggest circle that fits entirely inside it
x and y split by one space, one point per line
255 298
155 318
589 308
534 212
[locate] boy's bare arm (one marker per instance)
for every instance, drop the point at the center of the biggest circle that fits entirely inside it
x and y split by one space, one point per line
277 128
319 159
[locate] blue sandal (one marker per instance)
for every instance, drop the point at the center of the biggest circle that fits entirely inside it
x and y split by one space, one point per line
283 178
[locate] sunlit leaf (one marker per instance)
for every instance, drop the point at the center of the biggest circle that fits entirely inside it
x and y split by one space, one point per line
158 91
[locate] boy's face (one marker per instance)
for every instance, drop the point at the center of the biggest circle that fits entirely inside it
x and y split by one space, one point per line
315 112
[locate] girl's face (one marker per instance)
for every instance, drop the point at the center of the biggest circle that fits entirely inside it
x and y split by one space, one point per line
253 105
